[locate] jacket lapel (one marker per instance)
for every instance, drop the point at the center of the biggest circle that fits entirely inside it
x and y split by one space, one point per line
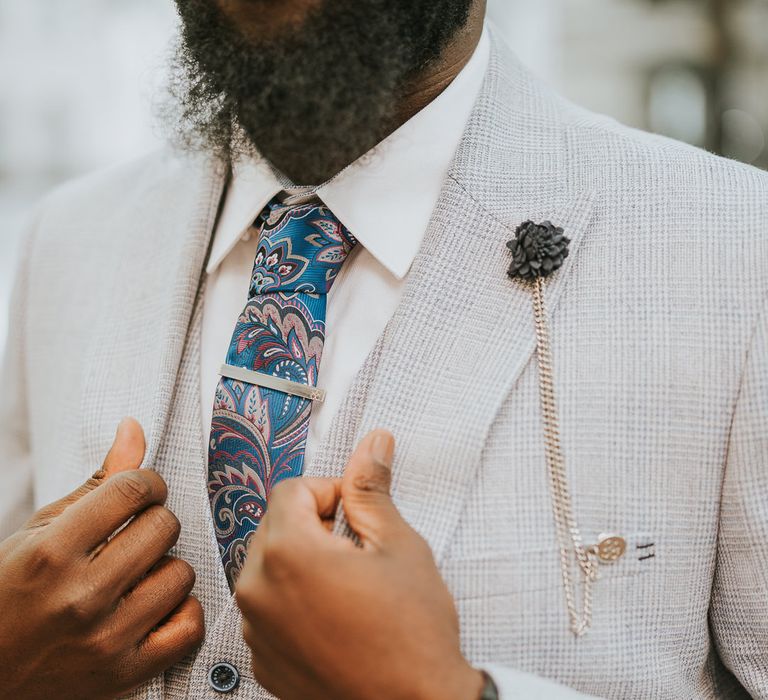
464 331
155 275
446 392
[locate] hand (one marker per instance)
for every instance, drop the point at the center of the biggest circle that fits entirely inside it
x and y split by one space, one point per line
85 616
324 618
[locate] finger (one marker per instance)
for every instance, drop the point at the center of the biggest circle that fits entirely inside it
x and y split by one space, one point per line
303 503
85 524
326 494
153 599
365 489
298 515
134 550
127 452
180 635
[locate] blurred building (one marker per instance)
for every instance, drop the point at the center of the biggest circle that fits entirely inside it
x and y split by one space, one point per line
77 79
696 70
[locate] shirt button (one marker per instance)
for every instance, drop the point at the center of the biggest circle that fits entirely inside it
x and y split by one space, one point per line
223 677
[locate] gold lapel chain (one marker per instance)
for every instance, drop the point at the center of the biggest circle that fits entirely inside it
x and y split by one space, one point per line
537 251
568 533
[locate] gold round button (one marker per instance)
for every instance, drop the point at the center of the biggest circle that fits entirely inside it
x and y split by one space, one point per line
611 548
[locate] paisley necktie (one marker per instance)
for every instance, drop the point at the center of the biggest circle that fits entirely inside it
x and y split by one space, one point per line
265 394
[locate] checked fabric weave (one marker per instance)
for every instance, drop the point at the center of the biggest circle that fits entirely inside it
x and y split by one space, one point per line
258 435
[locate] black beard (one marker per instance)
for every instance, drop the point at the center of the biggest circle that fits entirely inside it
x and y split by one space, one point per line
314 98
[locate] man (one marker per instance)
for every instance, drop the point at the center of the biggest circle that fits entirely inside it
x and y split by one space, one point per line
612 544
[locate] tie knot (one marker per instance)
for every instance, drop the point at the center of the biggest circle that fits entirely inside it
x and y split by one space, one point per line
301 248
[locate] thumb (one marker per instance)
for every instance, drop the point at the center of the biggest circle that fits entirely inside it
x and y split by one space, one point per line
365 489
127 452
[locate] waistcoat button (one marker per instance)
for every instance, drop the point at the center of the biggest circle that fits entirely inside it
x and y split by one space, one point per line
223 677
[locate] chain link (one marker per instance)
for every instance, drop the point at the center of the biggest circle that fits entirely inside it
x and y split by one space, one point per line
568 535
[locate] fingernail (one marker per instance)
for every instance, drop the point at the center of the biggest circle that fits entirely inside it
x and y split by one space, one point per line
382 449
122 425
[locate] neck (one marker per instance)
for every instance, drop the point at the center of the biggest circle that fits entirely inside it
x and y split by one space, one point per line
441 73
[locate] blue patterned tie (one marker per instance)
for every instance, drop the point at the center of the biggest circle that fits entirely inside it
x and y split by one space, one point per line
258 434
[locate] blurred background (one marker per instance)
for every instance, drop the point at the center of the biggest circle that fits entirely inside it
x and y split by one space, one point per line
78 79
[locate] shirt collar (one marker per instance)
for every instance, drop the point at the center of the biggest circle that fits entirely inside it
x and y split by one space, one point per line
386 197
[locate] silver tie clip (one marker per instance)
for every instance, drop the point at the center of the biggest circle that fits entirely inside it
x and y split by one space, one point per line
240 374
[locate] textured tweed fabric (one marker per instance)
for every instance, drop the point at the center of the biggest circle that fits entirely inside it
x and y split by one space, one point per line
660 340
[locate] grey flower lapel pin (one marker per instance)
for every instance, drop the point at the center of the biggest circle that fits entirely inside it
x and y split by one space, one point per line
539 250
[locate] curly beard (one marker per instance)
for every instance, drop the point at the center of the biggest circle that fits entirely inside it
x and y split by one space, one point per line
313 98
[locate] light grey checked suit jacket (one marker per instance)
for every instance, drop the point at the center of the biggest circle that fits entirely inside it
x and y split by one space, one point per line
660 338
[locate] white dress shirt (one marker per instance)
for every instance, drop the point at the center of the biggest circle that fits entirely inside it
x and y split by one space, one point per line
385 199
